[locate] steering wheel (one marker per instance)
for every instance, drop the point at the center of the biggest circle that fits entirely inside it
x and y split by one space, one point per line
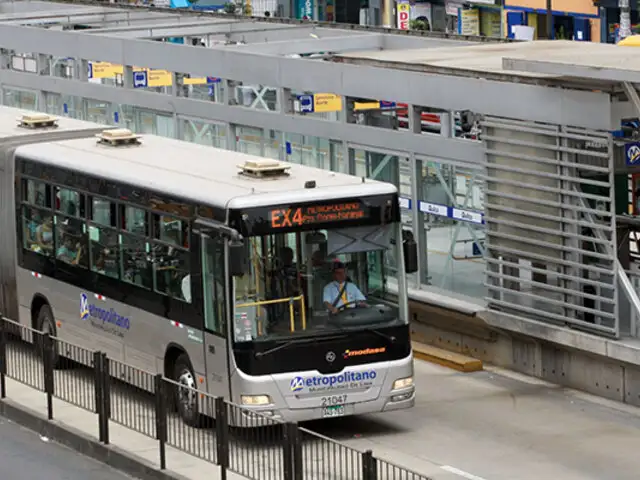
342 308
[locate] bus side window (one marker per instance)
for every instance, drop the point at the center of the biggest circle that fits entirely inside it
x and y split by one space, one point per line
135 254
171 230
37 230
70 202
71 241
172 271
104 250
36 193
103 212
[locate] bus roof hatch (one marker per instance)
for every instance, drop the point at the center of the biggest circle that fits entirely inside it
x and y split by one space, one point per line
37 120
118 136
264 168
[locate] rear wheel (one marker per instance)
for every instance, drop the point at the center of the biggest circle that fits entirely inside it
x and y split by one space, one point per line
47 325
186 396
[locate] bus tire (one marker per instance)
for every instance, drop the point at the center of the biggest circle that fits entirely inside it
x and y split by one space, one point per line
186 399
46 323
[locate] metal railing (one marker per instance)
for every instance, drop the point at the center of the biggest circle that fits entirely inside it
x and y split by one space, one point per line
235 438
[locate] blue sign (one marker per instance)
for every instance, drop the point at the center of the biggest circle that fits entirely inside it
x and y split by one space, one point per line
101 317
89 70
329 382
306 103
140 80
387 105
304 9
632 153
211 80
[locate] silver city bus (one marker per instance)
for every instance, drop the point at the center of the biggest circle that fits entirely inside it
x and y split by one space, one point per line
247 278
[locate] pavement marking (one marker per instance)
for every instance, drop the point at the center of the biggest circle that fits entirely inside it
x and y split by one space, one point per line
462 473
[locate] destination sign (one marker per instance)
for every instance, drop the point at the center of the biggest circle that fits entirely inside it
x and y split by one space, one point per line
314 214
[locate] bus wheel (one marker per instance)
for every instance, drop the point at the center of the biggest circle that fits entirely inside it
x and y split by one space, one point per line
47 324
186 398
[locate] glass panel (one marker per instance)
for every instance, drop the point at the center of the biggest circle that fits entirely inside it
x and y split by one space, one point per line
69 202
172 272
135 221
249 140
103 212
213 284
104 248
20 99
71 241
294 282
136 266
37 193
455 248
171 230
38 230
204 133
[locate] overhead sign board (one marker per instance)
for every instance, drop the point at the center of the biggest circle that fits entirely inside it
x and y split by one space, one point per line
319 102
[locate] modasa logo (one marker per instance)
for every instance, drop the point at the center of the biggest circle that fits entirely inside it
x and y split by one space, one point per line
363 352
332 382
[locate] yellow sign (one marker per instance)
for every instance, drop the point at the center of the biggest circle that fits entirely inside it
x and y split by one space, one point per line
470 22
358 106
327 102
194 81
155 78
104 70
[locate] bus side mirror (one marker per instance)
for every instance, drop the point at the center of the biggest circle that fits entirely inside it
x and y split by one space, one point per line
238 258
410 252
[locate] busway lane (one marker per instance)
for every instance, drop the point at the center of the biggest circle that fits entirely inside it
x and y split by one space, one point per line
24 455
499 425
490 425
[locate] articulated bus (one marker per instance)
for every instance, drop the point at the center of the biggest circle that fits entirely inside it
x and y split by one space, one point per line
243 277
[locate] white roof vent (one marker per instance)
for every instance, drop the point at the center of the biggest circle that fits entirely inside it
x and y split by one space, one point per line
264 168
37 120
117 137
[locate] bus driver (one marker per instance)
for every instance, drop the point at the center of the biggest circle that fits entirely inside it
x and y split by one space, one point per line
341 291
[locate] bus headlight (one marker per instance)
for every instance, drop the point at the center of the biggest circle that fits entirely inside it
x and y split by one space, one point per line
403 383
255 400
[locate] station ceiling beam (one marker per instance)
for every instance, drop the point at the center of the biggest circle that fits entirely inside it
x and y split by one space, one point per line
507 98
607 71
314 45
375 138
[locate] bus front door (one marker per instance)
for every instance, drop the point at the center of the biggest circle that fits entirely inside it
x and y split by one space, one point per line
215 343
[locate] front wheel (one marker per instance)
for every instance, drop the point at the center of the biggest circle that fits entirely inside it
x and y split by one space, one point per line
47 325
186 396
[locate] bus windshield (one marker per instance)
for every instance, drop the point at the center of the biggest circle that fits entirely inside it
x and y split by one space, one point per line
315 283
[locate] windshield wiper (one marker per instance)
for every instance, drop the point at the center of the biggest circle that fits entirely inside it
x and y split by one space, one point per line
296 341
389 338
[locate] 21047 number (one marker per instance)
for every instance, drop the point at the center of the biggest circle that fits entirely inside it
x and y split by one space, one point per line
334 400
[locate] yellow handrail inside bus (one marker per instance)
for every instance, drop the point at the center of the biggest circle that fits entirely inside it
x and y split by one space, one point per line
291 300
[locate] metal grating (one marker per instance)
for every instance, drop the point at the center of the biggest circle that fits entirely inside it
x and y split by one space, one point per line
550 217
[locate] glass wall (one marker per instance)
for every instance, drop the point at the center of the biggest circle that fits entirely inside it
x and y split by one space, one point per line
204 133
385 167
20 98
452 202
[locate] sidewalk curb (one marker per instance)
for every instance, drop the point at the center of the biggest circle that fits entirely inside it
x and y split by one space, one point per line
66 435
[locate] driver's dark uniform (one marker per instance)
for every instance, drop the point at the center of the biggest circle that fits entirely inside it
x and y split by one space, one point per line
350 295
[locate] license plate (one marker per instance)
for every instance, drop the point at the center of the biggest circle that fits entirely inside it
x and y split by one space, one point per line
333 411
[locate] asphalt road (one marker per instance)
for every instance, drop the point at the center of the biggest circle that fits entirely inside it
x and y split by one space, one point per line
498 425
24 455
